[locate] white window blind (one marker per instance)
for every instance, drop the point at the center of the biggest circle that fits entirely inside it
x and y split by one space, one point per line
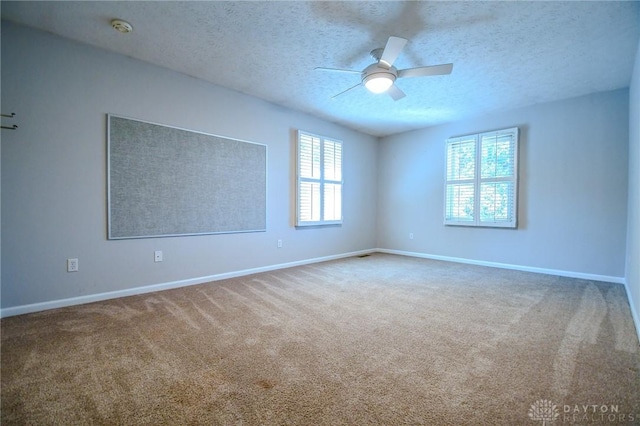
481 182
319 180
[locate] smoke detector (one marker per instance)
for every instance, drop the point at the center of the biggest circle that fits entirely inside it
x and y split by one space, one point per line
121 26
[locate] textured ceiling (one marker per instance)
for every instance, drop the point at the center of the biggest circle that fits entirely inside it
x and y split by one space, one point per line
505 54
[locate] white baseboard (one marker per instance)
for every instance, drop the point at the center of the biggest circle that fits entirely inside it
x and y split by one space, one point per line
570 274
61 303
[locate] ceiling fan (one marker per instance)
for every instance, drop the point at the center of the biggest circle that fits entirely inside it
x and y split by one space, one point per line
380 76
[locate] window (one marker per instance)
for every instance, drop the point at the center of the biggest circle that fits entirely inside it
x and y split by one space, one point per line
481 182
319 195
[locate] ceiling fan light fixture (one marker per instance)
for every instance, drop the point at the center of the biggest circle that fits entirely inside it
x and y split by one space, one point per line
379 82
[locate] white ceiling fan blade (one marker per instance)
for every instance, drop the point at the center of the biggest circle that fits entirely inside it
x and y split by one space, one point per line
345 91
425 71
395 92
336 70
392 50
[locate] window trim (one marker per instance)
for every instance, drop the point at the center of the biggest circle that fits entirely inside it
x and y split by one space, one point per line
321 180
478 180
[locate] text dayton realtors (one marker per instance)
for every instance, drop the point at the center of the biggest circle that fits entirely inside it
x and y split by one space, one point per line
594 412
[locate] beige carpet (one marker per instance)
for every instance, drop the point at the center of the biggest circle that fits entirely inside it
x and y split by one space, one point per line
382 339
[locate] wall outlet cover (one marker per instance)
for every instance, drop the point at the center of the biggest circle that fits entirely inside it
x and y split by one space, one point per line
72 265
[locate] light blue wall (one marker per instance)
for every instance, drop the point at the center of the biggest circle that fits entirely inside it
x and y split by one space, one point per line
633 221
54 173
572 192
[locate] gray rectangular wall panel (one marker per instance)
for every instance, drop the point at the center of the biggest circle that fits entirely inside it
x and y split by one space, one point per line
165 181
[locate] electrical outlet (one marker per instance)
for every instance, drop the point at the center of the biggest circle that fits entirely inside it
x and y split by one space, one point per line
72 265
157 256
411 235
279 243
